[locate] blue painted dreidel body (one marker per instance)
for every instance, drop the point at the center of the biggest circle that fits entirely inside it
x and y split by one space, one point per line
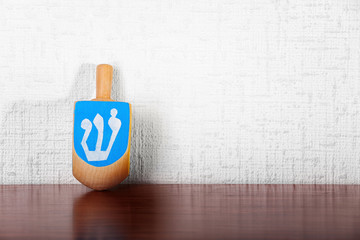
102 132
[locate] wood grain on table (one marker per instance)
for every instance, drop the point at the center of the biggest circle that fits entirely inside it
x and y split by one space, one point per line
180 212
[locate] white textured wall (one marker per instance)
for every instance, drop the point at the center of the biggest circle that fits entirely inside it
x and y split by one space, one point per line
222 91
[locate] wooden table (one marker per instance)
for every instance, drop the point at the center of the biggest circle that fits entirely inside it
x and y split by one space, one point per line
180 212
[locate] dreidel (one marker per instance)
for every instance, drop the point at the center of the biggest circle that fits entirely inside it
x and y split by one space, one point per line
101 136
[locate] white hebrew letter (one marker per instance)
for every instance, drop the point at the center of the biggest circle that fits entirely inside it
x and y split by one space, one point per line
114 124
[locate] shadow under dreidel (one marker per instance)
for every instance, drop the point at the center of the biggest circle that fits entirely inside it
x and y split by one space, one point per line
115 214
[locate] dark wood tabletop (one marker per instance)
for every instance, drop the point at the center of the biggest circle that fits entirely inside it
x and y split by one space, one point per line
180 212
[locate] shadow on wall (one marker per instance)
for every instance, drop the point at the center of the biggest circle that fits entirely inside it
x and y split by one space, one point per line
144 132
36 136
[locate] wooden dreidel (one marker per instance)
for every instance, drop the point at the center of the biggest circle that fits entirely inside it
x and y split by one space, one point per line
101 140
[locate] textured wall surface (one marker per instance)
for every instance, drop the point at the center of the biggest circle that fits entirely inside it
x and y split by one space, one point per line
222 91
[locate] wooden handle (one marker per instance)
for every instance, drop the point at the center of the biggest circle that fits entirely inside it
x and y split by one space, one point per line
104 74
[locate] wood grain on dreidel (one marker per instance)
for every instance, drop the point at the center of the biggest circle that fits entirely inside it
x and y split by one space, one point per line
101 178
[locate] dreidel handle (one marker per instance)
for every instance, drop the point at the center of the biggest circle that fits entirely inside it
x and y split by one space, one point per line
104 75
